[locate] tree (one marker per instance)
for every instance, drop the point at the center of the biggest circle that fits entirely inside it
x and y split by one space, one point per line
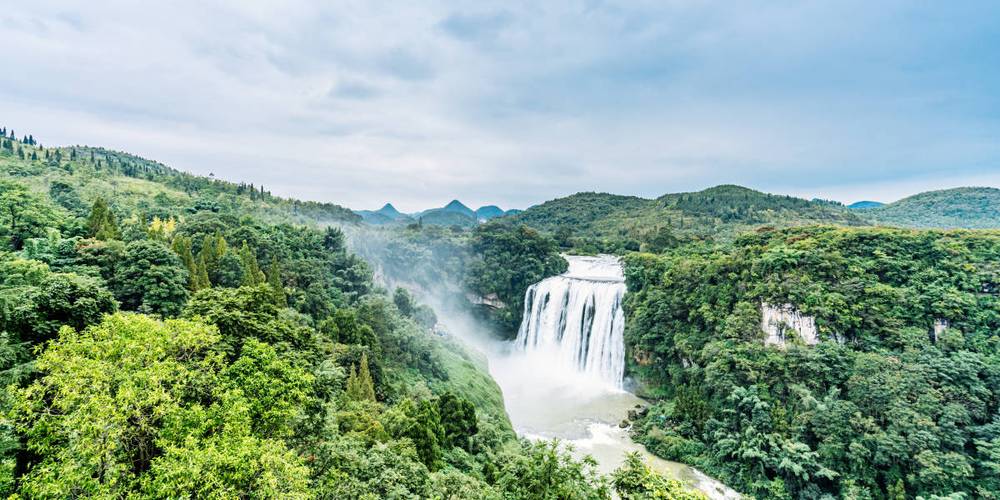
101 224
458 417
243 313
138 406
23 214
181 246
36 307
199 280
404 301
635 481
545 470
275 388
333 239
151 278
274 281
509 259
252 275
213 248
359 384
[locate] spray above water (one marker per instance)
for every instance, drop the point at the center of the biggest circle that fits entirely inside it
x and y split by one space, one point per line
576 319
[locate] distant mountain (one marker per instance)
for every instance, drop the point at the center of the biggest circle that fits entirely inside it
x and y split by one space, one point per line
718 212
455 213
459 207
860 205
390 211
385 215
967 207
489 212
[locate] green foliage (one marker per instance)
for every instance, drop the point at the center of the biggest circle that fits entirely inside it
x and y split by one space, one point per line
126 405
252 275
245 313
635 481
101 224
360 386
545 470
274 281
35 303
971 208
882 404
602 222
23 214
151 278
458 419
509 260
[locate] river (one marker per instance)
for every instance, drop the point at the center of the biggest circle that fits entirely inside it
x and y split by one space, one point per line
558 381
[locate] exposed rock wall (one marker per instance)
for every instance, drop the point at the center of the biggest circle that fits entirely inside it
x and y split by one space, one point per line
782 323
940 325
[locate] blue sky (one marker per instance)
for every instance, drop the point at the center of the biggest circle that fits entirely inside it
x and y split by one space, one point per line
514 103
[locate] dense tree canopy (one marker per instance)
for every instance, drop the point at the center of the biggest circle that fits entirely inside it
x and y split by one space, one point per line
899 395
509 260
166 335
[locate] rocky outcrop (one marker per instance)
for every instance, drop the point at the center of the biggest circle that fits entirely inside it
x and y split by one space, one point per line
784 323
642 358
940 325
492 301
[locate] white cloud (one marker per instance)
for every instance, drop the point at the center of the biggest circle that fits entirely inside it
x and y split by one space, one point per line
514 103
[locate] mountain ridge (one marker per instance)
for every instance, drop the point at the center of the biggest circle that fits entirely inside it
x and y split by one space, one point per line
954 208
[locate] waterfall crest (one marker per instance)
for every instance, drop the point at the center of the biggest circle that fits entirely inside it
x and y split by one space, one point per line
577 318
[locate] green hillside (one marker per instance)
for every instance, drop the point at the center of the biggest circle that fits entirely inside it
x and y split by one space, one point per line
448 218
165 335
893 393
76 175
967 207
717 213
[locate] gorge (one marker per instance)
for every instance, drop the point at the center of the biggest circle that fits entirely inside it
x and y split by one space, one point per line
562 377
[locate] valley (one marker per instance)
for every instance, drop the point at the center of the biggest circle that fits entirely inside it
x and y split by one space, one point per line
778 345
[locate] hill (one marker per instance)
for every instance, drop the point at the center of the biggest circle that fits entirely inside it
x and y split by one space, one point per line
860 205
385 215
272 361
455 213
489 212
876 325
715 213
74 176
443 217
966 207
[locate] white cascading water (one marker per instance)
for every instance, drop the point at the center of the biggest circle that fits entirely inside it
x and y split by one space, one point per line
577 318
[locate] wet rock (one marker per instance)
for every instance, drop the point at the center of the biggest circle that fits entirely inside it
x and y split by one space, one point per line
624 424
633 414
643 412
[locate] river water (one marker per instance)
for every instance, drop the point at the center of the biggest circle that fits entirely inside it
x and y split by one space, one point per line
559 379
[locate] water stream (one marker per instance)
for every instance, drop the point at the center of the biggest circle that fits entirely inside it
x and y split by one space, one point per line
562 376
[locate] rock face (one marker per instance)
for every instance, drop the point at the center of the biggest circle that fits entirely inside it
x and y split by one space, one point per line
940 325
492 301
781 323
643 358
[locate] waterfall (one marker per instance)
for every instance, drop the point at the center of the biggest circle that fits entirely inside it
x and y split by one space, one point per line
577 318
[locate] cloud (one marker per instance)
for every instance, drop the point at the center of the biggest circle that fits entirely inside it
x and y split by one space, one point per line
365 102
470 27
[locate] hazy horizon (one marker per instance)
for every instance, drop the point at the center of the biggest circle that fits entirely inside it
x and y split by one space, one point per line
514 104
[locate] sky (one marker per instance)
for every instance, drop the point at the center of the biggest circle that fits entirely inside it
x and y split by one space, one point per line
514 103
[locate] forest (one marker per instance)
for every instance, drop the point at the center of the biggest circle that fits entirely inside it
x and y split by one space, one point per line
898 399
159 328
168 335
